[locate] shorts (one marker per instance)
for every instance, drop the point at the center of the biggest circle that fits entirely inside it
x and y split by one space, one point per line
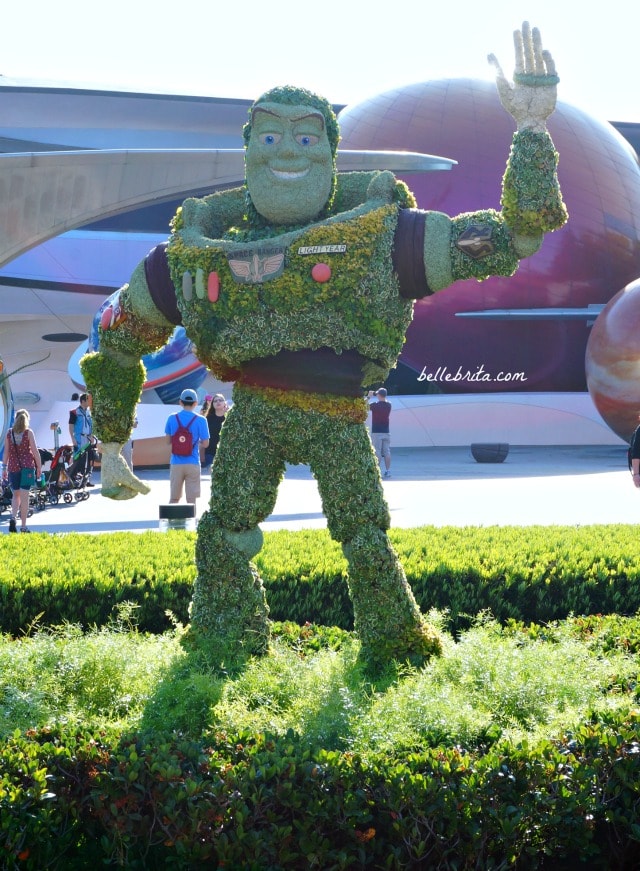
187 476
381 442
14 481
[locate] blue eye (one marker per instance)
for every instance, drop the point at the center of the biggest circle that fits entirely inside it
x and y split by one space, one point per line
270 138
307 139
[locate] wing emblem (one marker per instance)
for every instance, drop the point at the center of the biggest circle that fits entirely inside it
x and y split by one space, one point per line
257 267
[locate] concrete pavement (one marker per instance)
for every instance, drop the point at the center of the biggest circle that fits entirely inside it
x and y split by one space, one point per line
438 486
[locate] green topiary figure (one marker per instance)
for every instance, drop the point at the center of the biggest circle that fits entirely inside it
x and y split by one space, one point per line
299 287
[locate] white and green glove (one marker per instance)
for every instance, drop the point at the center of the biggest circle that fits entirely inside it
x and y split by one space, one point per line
531 97
117 479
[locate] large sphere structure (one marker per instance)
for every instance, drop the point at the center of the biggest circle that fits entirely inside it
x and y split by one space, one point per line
586 262
612 361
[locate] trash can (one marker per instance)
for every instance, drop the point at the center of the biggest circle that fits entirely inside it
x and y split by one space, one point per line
177 517
489 452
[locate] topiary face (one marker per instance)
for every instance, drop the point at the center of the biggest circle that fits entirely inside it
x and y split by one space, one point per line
289 163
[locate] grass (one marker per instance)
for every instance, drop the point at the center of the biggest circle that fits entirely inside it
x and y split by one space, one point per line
516 683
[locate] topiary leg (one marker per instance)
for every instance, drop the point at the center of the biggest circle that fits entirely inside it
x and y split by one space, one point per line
387 618
229 612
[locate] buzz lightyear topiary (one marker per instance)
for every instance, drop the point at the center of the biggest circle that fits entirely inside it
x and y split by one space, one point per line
299 287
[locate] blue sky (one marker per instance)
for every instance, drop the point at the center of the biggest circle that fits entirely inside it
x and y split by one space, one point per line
344 49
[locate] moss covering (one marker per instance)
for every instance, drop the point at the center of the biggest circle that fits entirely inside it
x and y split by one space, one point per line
531 199
359 308
260 434
115 389
247 290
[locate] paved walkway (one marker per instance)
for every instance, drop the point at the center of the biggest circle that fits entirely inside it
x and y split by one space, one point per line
430 486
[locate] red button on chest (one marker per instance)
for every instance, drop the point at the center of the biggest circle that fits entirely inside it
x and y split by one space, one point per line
321 272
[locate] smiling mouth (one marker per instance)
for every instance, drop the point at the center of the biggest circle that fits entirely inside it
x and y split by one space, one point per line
282 174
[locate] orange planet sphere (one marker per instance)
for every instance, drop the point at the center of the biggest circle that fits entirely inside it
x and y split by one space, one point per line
612 361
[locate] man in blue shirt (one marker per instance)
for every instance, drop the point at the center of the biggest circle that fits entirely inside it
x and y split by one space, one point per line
81 433
81 423
184 471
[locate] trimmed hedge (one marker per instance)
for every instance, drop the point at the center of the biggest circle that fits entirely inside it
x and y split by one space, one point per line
528 574
78 801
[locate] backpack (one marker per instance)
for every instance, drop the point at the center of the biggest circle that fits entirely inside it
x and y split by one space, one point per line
634 445
182 439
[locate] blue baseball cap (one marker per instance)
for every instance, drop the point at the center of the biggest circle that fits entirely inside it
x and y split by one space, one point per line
188 396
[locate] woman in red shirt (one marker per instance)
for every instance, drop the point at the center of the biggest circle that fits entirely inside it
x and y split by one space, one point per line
20 452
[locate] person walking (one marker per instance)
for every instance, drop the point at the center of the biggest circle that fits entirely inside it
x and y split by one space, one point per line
186 432
215 413
81 423
23 467
633 456
81 433
127 447
380 436
205 409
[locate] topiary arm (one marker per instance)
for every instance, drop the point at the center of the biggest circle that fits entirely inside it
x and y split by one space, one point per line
199 220
484 243
531 199
114 375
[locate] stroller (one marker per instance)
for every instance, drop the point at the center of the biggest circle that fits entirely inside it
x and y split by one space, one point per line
82 466
69 471
6 495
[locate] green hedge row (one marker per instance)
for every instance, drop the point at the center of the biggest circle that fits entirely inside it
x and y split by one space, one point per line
81 801
529 574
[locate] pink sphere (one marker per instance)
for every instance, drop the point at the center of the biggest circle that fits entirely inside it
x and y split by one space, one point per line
587 261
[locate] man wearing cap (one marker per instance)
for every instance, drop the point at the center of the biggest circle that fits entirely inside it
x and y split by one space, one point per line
380 437
184 471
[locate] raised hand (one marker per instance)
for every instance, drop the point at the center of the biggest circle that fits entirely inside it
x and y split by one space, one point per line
531 97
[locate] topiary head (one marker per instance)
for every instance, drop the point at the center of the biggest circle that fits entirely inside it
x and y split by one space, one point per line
291 140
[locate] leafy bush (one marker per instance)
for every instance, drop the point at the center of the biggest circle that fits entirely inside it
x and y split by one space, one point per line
255 801
53 580
518 747
492 682
533 574
519 743
67 676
